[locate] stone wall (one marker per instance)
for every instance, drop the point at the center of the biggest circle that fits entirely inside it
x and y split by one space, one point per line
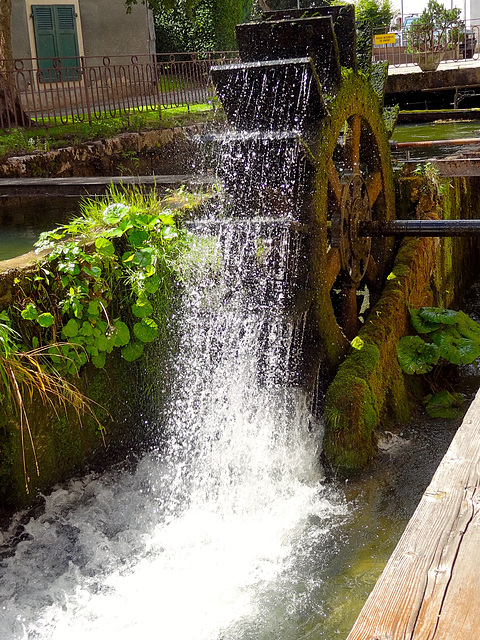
160 152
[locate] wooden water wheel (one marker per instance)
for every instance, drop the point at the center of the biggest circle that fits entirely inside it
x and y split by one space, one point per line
340 122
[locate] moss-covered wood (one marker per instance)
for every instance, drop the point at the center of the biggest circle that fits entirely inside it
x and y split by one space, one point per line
369 390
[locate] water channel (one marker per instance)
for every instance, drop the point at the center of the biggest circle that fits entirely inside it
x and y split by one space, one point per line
227 529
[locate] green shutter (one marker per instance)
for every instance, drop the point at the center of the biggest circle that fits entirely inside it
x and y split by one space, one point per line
67 43
56 37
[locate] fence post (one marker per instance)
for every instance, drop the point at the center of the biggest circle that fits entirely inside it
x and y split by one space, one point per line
157 83
85 84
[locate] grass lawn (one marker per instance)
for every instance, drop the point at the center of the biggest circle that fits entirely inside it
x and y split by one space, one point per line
35 140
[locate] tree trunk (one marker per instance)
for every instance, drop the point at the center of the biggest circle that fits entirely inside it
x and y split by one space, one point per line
11 113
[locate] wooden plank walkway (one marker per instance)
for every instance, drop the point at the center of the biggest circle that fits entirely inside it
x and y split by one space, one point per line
25 187
430 588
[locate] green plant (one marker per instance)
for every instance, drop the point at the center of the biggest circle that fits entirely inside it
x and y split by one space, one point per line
430 31
24 373
449 337
433 184
377 13
126 243
107 283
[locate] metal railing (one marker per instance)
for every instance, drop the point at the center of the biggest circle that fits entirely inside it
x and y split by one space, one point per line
412 47
52 92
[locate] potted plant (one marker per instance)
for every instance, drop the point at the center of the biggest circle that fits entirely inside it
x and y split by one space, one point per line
430 34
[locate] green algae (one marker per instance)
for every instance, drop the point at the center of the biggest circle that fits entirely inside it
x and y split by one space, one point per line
427 272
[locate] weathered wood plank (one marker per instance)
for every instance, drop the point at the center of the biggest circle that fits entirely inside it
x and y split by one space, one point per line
430 588
87 186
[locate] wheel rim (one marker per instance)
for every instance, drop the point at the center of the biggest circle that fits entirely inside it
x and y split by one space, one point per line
354 182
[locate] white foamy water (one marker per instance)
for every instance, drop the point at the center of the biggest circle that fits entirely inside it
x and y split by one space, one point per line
218 533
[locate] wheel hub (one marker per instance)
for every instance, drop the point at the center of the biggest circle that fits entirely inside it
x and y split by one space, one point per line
354 249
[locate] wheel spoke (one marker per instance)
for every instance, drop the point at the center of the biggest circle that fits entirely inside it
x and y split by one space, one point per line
355 143
349 311
333 266
334 181
371 275
374 183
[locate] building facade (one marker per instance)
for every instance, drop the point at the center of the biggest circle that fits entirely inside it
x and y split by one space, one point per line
94 28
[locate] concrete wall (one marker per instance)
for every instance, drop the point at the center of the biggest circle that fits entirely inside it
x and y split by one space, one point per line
103 26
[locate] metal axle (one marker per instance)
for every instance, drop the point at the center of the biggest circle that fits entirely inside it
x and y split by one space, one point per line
419 228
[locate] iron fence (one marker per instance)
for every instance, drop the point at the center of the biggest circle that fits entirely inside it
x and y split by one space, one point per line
51 92
412 46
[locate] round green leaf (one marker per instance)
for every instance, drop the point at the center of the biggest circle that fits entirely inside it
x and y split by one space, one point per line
420 324
104 247
30 312
146 330
45 319
142 308
99 360
70 330
87 329
440 316
417 356
102 342
151 284
132 351
121 334
138 237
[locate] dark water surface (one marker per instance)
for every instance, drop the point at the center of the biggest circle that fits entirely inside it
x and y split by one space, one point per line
23 219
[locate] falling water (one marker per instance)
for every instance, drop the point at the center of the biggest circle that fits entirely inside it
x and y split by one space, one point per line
199 542
216 533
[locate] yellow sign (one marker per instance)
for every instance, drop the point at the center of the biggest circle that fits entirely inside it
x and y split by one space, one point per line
384 38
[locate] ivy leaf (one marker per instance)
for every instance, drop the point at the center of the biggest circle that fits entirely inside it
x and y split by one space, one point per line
104 247
146 330
142 308
70 330
121 334
132 351
30 312
45 320
417 356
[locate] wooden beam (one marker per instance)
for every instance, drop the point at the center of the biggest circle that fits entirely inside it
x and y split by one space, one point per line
25 187
462 167
430 588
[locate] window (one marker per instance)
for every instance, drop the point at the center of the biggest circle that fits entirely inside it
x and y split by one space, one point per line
56 41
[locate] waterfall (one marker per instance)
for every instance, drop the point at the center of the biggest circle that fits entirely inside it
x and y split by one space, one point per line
214 535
